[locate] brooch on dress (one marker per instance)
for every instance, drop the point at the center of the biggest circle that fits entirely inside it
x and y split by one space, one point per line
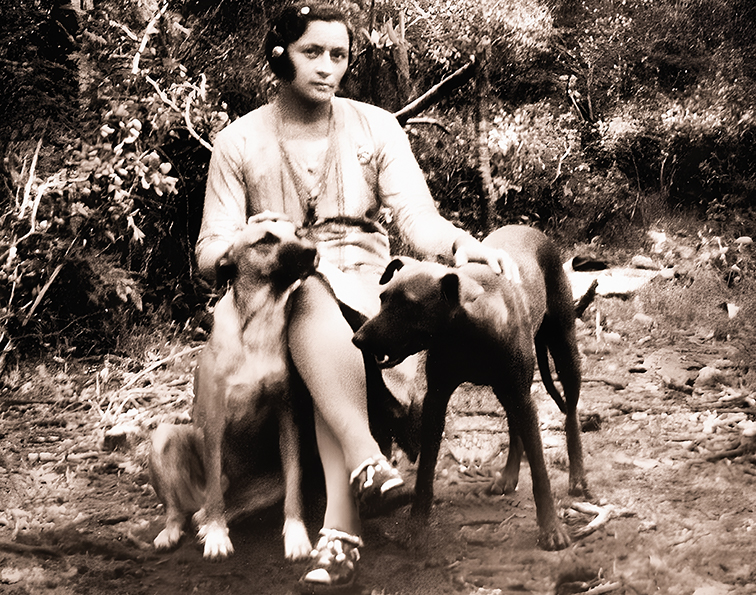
364 155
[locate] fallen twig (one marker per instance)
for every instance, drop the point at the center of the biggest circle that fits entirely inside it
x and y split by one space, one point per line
41 294
607 588
559 166
613 383
34 550
188 121
741 450
158 363
30 181
429 122
162 94
603 514
125 29
454 80
168 101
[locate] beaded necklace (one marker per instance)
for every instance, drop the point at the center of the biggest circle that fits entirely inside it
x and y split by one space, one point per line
309 192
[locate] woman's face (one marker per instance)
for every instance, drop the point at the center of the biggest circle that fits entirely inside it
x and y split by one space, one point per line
320 59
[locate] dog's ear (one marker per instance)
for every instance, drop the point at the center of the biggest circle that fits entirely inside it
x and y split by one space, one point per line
391 268
450 288
460 289
225 270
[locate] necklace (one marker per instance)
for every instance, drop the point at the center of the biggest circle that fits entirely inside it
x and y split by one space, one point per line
309 182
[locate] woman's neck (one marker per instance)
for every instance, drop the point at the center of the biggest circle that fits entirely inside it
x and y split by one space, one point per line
303 119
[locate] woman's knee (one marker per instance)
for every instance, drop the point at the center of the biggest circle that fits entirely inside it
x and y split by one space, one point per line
313 298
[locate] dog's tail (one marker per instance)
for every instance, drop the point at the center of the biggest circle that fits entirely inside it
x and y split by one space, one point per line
542 355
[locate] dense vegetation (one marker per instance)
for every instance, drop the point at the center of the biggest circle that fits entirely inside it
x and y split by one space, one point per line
594 120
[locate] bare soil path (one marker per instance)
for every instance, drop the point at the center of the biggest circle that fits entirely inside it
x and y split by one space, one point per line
669 452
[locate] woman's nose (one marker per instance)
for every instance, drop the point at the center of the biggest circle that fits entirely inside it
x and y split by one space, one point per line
325 63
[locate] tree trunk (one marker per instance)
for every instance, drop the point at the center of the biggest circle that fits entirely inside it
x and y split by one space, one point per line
482 90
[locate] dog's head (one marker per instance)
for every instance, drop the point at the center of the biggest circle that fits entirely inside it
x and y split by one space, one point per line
270 252
418 303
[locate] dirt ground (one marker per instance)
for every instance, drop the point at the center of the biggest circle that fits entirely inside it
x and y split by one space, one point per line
669 452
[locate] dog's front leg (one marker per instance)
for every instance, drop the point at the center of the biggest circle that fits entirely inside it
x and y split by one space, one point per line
433 421
211 519
297 544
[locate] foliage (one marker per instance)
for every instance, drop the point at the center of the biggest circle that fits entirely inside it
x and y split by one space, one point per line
95 244
605 115
633 108
445 33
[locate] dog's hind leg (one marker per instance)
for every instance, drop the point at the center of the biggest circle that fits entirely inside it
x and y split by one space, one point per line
507 479
297 544
521 409
177 475
564 351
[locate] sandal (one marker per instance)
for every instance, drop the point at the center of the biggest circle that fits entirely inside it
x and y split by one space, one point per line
334 563
378 487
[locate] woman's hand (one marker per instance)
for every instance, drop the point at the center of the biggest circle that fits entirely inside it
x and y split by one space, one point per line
468 249
268 216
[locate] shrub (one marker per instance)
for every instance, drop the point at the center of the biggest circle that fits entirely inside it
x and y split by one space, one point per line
103 240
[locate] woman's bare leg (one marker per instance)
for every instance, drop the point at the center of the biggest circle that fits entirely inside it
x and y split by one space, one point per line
341 509
332 368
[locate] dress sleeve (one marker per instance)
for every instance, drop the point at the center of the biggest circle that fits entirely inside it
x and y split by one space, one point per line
225 208
402 188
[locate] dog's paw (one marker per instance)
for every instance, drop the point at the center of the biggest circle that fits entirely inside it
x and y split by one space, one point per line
168 537
297 544
579 489
554 539
217 543
504 483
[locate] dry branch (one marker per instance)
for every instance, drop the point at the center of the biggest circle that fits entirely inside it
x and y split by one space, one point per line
442 89
603 514
146 37
158 363
34 550
30 181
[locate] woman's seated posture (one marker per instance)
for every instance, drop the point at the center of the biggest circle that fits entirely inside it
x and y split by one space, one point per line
330 164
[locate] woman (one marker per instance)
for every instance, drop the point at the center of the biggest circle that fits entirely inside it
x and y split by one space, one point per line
331 165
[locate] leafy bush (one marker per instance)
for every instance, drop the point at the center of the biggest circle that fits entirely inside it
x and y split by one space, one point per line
98 233
104 241
445 33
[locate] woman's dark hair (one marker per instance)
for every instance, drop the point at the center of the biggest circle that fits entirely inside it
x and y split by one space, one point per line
290 25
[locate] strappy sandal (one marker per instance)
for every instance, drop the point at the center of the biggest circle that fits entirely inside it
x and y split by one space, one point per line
378 487
333 567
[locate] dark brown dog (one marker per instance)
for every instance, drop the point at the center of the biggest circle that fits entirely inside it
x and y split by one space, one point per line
241 389
479 327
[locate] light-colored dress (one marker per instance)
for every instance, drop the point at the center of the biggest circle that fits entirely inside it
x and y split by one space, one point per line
371 167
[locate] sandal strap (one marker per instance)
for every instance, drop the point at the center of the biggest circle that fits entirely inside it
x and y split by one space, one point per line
360 468
334 535
333 564
369 467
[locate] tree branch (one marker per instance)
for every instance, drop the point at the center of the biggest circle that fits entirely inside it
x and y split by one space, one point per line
446 86
147 32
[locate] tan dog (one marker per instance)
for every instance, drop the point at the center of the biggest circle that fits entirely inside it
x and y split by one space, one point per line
479 327
213 468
